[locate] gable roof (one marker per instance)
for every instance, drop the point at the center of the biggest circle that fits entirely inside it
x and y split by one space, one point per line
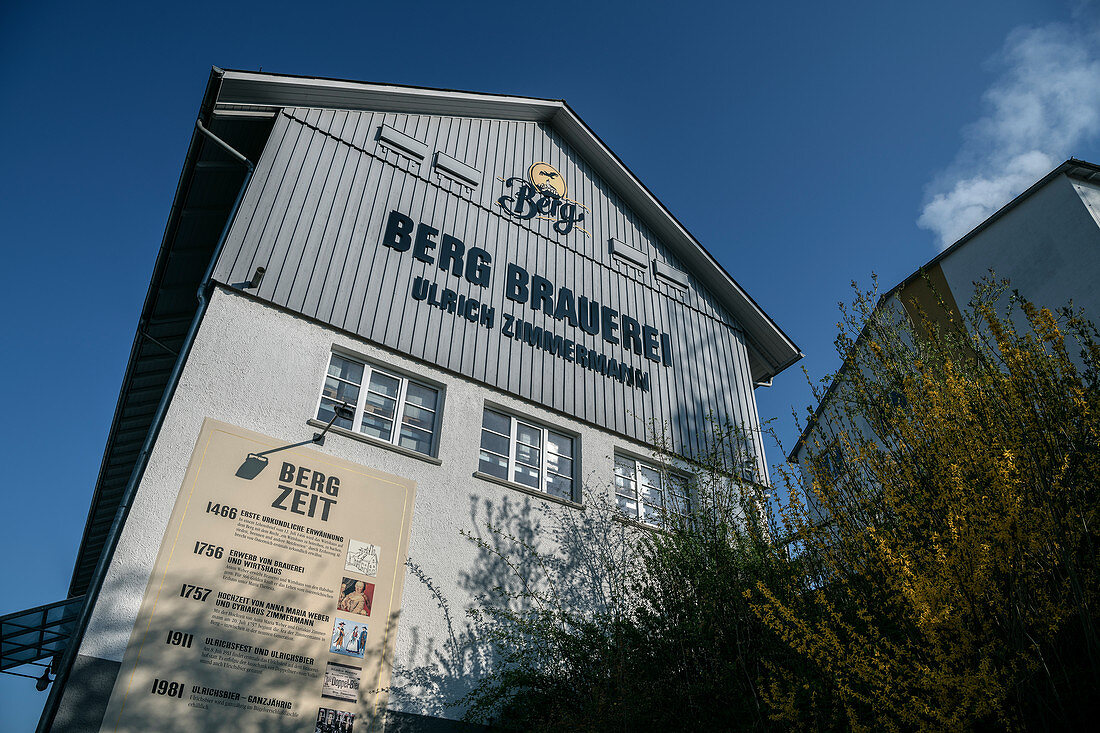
770 349
1073 168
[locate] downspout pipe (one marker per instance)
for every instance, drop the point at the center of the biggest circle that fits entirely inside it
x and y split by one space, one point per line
100 573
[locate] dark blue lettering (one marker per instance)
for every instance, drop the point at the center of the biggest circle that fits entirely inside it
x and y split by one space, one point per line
424 244
477 267
588 316
666 349
649 339
399 229
448 300
515 283
533 336
542 297
632 330
609 325
451 250
566 310
567 217
523 204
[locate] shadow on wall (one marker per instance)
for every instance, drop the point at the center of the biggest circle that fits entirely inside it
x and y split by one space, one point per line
527 553
712 395
546 556
91 679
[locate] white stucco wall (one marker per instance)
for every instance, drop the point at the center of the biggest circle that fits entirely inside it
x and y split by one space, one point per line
261 368
1048 246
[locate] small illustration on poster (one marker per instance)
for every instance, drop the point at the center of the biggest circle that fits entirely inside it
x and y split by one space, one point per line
341 682
333 721
356 596
348 637
363 558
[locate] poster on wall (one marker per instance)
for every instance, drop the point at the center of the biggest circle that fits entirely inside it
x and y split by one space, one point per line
273 602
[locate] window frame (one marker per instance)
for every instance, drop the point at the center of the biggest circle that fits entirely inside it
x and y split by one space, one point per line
404 378
514 420
664 472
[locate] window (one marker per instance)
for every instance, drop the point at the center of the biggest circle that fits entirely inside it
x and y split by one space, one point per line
388 407
643 492
526 453
832 460
896 398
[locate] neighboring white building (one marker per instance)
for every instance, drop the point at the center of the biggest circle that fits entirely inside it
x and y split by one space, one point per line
1045 242
503 307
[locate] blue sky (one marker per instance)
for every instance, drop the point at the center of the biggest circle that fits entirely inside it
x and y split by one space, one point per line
806 144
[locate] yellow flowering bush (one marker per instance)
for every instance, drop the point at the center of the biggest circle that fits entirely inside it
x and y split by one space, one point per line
952 576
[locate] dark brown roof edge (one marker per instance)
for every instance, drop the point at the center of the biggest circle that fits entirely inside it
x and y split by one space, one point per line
159 266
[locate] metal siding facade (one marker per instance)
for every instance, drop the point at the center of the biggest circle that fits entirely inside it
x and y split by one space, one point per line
315 213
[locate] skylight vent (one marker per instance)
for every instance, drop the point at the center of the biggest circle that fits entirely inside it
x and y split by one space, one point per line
402 144
627 255
670 275
457 171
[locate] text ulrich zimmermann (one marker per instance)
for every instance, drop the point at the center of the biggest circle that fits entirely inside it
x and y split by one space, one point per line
474 265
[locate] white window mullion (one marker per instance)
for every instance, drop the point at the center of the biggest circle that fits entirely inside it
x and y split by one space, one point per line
544 477
672 491
513 441
533 473
399 410
357 423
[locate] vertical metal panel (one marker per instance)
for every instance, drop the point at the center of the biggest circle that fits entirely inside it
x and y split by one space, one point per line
316 211
258 198
348 292
317 297
313 218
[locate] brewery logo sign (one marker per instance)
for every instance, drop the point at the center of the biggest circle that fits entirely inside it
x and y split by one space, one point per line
543 194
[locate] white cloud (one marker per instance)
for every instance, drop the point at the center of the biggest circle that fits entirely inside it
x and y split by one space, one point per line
1046 102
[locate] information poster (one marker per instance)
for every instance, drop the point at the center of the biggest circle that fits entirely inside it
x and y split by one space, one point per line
274 599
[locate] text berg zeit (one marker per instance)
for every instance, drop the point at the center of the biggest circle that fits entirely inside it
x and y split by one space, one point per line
475 266
309 493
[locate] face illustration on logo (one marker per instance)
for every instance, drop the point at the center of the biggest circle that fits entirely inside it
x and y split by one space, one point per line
546 178
542 195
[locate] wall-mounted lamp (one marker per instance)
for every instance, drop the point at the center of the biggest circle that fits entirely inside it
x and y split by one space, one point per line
344 411
256 462
252 466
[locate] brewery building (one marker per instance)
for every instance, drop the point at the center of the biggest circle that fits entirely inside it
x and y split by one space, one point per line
380 316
